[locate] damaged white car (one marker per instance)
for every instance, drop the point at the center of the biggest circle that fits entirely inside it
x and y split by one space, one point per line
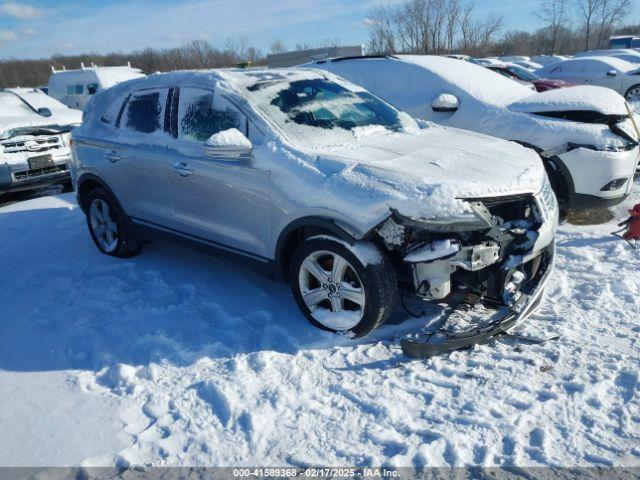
324 185
34 139
584 135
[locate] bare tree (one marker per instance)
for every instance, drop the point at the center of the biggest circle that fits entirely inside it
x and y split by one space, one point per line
277 46
382 35
609 16
554 15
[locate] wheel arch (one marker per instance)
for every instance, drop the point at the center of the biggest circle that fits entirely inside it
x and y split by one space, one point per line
88 182
559 174
296 232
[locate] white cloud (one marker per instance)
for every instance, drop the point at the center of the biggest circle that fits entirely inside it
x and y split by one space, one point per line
6 36
29 31
20 10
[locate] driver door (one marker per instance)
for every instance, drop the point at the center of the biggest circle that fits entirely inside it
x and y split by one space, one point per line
223 201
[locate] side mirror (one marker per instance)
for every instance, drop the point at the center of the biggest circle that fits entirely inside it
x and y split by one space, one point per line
45 112
612 73
228 144
92 88
445 102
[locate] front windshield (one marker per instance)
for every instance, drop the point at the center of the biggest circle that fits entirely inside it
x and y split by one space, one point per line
524 74
320 112
12 106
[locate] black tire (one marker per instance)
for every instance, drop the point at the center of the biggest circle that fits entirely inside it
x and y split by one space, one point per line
126 245
631 88
378 281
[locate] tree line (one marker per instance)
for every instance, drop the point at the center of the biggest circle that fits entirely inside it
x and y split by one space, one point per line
414 26
196 54
451 26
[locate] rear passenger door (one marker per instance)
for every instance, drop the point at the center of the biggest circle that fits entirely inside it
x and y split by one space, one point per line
222 201
136 158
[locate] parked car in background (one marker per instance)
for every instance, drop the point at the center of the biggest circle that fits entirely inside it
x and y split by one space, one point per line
74 88
531 66
609 72
583 134
320 182
34 139
628 55
516 72
545 60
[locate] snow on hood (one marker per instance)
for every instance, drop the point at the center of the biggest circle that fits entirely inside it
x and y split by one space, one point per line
423 175
588 98
9 124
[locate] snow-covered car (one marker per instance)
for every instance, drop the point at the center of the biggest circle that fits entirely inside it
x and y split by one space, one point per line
609 72
626 54
321 183
545 60
34 139
521 74
529 65
583 134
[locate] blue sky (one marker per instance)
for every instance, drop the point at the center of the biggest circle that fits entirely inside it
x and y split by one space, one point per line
37 28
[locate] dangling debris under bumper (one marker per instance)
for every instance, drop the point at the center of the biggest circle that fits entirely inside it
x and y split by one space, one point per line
430 343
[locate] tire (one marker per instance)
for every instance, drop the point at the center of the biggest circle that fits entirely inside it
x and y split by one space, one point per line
635 91
371 285
108 226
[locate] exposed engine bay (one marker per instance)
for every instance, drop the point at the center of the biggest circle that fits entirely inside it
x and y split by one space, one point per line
478 265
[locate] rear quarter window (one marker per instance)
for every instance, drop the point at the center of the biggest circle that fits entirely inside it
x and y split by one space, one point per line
144 112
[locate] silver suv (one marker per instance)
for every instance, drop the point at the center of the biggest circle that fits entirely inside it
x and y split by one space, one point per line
323 184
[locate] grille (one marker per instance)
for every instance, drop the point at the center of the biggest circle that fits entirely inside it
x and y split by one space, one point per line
27 174
549 197
32 145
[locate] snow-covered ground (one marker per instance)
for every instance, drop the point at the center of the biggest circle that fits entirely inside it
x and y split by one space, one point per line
177 357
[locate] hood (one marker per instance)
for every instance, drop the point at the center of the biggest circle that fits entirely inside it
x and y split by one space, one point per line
428 174
581 98
10 126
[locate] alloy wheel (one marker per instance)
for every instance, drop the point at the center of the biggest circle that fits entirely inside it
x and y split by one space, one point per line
332 290
103 226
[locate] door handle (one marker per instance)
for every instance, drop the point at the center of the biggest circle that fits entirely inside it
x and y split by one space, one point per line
182 168
112 156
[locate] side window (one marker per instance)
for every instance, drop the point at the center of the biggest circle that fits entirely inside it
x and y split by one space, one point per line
79 89
110 115
70 89
144 111
200 115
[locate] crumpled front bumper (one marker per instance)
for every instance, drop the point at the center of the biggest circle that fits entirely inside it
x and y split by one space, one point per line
433 343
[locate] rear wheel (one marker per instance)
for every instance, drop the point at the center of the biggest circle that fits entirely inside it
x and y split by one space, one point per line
108 226
340 290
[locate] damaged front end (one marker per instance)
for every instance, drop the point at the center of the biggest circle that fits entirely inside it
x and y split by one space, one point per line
487 268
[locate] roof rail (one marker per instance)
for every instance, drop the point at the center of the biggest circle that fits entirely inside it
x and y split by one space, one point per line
360 57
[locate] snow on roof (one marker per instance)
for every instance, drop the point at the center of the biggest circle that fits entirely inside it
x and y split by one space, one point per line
613 62
476 81
603 100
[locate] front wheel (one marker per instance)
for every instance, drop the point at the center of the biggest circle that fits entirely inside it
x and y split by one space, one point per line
633 94
339 288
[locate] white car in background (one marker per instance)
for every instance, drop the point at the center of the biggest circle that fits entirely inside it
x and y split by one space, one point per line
34 139
583 134
628 55
545 60
609 72
74 88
